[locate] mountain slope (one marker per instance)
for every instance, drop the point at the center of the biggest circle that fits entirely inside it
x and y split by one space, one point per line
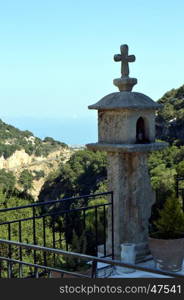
12 139
170 120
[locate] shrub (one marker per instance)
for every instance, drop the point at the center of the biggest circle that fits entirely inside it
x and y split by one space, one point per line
170 224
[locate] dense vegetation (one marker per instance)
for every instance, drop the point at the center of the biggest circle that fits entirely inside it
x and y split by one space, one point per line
7 181
83 174
170 223
12 139
21 185
170 120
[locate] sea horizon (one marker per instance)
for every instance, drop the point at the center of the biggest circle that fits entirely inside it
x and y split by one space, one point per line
72 131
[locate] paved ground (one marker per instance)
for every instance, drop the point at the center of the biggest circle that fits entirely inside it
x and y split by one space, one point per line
118 272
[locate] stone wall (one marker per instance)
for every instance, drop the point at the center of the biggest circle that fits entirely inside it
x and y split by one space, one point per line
119 127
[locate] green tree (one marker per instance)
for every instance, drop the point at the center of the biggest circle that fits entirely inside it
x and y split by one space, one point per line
26 180
81 175
170 223
180 169
7 181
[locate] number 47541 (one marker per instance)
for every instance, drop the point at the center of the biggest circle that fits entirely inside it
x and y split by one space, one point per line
166 289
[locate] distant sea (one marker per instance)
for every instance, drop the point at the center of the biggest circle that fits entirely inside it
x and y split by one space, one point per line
74 132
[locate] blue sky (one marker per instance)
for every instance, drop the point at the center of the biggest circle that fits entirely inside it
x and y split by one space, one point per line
56 58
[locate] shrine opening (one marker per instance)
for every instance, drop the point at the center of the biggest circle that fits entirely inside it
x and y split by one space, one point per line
140 132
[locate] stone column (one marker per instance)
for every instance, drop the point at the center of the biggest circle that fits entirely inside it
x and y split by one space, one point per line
133 197
126 125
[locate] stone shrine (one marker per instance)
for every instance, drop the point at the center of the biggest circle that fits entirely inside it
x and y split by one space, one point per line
126 131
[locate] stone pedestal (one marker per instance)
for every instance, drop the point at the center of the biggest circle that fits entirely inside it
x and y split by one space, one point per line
128 178
133 197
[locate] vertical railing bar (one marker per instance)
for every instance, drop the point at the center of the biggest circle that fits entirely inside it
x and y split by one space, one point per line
37 273
34 236
44 242
84 223
9 237
54 240
112 220
1 263
104 215
20 249
94 269
66 238
60 240
49 274
9 269
182 200
84 220
177 186
10 273
10 251
96 230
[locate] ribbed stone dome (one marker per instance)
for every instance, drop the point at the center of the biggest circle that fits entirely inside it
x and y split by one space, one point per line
125 100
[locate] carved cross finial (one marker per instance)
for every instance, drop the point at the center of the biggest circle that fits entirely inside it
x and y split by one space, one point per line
125 59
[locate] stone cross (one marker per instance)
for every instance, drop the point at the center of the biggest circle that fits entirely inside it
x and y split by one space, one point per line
125 59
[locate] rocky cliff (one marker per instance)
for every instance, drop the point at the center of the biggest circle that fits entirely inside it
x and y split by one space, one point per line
20 161
21 150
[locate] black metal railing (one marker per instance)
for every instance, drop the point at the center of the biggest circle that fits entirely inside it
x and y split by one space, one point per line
10 271
56 224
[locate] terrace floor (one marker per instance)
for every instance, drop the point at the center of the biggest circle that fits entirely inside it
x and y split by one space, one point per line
117 272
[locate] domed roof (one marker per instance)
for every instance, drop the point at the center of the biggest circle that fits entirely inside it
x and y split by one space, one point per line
125 100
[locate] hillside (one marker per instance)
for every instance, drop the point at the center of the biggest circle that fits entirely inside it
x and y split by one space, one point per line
23 153
84 173
170 120
12 139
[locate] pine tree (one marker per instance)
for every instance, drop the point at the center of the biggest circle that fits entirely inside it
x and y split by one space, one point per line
170 224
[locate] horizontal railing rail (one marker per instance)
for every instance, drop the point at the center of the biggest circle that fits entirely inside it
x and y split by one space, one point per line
87 258
56 214
51 202
46 268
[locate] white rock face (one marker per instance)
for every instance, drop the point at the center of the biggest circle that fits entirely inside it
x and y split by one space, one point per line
20 161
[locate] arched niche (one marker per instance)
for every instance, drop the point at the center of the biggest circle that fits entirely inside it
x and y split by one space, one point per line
141 131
